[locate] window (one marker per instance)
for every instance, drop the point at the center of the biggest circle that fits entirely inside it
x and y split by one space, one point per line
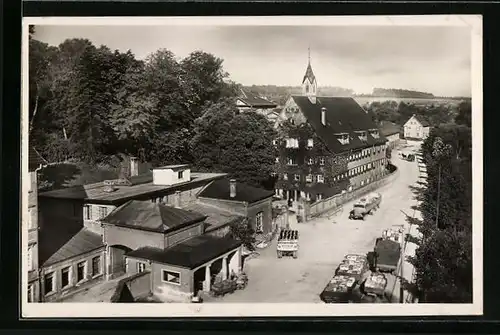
259 224
96 266
297 177
171 277
320 196
80 271
49 283
309 178
322 161
141 267
277 159
310 161
275 142
292 161
87 212
180 174
103 212
65 278
320 178
30 219
30 258
30 293
285 177
342 138
292 143
310 143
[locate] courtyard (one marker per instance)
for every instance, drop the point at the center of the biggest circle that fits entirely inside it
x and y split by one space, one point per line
323 242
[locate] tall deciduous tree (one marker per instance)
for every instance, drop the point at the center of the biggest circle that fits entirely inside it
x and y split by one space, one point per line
237 143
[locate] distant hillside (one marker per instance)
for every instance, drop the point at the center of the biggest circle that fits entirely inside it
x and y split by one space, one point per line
400 93
279 94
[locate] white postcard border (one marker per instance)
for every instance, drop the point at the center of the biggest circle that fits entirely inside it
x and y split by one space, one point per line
104 310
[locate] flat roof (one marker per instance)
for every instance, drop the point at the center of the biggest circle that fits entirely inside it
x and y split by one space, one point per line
189 254
173 167
96 192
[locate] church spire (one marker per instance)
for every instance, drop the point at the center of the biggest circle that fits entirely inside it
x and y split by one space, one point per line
309 85
309 54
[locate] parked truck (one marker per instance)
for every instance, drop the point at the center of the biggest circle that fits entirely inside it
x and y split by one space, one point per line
366 205
387 254
288 243
338 290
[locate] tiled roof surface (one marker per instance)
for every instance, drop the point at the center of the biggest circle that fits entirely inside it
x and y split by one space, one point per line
254 100
189 254
152 216
34 159
84 241
96 192
219 189
343 115
216 217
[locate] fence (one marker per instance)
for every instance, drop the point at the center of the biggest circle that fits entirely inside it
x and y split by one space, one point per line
328 204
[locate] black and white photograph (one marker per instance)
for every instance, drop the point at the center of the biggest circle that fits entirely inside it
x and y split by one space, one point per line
257 166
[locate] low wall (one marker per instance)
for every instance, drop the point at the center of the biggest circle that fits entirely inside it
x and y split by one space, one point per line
328 204
133 287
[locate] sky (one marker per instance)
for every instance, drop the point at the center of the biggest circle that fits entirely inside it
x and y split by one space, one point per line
434 59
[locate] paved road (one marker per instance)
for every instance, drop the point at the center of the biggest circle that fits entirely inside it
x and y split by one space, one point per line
323 244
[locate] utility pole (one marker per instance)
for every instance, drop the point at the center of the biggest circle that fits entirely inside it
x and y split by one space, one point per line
401 256
438 196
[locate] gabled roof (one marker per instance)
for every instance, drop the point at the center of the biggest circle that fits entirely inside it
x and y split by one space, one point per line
420 119
219 189
216 217
309 74
253 100
150 216
343 115
389 128
83 242
189 254
35 159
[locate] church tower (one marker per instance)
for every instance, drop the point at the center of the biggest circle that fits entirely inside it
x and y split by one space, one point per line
309 85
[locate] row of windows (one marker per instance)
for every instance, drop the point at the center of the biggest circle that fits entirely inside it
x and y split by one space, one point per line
87 212
310 161
294 143
365 153
353 172
309 178
67 273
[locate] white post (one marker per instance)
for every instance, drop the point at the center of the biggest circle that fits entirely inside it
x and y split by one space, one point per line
108 263
224 268
208 279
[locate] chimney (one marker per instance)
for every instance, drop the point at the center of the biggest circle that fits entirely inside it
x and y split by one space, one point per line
323 116
232 188
177 199
134 166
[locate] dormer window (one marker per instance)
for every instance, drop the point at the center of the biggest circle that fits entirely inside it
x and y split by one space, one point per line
374 133
362 135
309 178
292 143
343 138
180 174
310 143
320 178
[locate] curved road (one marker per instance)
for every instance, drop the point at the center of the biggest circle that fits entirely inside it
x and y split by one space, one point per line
323 244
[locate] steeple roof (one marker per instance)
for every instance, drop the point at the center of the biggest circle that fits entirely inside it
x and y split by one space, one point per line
309 74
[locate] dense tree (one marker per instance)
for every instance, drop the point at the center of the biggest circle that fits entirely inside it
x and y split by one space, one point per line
238 144
443 261
464 116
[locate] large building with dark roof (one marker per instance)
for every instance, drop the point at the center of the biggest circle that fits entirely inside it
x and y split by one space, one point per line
327 145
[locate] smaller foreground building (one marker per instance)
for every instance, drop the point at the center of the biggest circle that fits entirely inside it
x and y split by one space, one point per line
171 244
